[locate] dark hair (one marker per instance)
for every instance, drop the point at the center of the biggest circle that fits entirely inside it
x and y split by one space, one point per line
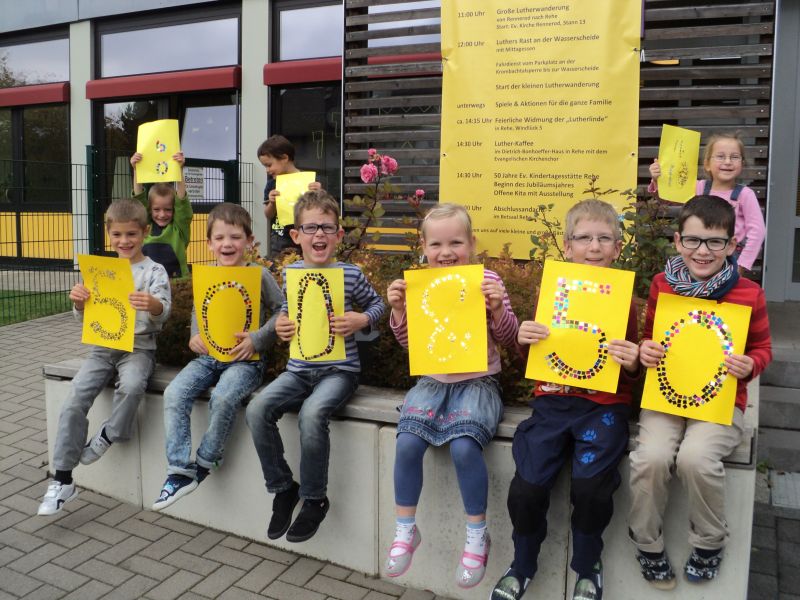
232 214
712 211
276 146
316 199
162 190
126 210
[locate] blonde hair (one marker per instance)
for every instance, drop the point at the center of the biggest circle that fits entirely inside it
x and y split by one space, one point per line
446 211
161 190
316 199
718 137
593 210
126 210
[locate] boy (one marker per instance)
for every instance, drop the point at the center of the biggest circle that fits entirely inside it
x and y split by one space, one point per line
126 223
316 389
229 234
276 153
587 426
170 219
704 268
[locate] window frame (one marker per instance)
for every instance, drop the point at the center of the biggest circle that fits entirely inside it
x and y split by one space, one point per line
46 35
278 6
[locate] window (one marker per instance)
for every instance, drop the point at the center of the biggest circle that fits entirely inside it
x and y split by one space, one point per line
209 132
409 39
308 29
45 61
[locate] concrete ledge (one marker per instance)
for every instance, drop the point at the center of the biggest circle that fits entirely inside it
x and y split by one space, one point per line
360 525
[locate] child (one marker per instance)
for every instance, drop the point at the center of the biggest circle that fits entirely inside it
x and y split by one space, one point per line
703 268
276 153
170 219
315 389
587 427
126 224
724 158
229 234
447 241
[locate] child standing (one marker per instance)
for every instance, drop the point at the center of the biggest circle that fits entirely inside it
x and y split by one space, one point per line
724 158
704 269
170 215
447 241
126 224
229 234
315 389
276 153
587 427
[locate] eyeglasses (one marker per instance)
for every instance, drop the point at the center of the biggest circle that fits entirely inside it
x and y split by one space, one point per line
312 228
727 157
585 240
691 242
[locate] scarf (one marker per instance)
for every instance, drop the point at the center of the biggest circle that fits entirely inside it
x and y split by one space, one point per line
714 288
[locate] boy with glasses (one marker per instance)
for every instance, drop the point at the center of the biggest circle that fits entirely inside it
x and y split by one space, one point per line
313 388
694 449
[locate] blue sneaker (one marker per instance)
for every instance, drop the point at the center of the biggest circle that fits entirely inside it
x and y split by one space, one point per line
699 569
175 487
590 586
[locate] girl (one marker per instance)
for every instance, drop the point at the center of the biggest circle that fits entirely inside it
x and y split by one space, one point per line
470 401
724 157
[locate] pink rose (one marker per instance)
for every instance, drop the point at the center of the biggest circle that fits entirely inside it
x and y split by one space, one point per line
388 165
369 173
419 193
372 152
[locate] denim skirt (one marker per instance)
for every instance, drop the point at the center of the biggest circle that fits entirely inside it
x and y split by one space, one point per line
439 412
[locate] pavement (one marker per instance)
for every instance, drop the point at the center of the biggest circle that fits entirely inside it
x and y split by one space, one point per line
99 547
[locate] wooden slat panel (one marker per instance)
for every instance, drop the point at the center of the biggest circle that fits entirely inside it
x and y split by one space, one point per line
398 153
403 188
707 71
705 92
424 48
414 68
748 173
397 120
761 131
394 101
391 17
430 82
709 52
707 31
366 3
751 152
377 34
704 112
406 170
393 135
722 11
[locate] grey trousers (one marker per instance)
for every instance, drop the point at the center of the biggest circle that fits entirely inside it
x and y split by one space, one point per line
133 369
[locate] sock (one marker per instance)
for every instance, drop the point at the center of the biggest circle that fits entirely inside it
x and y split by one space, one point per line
202 473
404 532
702 553
105 436
651 555
63 477
476 543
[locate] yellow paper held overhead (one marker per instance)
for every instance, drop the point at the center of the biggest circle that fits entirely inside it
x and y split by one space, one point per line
227 300
446 313
691 380
584 308
678 154
109 319
157 141
314 296
291 186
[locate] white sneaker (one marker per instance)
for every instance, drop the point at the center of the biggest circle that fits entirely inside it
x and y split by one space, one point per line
94 448
57 495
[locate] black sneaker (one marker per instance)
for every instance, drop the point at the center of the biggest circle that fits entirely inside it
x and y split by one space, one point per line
511 586
307 522
699 568
282 508
657 570
590 586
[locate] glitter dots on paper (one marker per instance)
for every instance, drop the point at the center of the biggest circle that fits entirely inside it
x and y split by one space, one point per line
441 324
209 296
327 296
97 297
714 323
560 320
162 167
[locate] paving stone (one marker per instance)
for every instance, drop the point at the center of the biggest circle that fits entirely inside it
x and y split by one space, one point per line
301 571
134 589
148 567
27 473
85 514
281 590
167 544
190 562
174 586
136 526
234 542
35 559
783 596
788 578
102 571
99 499
12 487
19 584
11 518
21 540
373 595
232 557
218 581
764 537
179 526
335 572
236 593
270 553
203 542
61 536
376 584
410 594
338 589
260 577
8 554
788 530
763 561
127 548
789 555
90 591
45 592
80 554
101 532
59 577
32 446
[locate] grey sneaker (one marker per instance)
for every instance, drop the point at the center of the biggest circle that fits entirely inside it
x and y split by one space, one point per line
57 495
94 448
399 564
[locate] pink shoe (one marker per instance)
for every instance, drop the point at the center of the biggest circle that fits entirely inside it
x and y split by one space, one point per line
468 577
398 565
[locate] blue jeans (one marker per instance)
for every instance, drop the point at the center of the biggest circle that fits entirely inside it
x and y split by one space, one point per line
316 394
233 381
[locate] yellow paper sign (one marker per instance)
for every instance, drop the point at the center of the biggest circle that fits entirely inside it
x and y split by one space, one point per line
585 308
314 296
157 141
446 314
677 155
291 186
109 319
697 335
227 300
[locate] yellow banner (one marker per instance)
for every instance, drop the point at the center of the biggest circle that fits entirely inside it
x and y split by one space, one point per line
109 319
538 98
446 313
691 380
227 300
678 154
291 186
314 296
157 141
585 308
